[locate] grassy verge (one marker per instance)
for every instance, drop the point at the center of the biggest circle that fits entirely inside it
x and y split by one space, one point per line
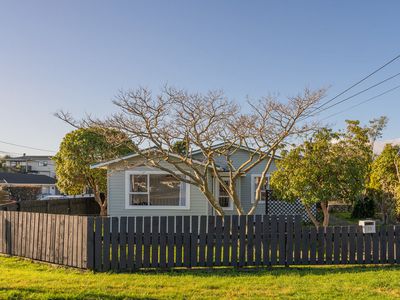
22 279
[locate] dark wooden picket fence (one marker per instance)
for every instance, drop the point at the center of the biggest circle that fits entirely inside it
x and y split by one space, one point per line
133 243
58 239
128 244
73 206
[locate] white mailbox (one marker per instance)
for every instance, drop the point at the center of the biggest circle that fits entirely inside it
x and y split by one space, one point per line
368 226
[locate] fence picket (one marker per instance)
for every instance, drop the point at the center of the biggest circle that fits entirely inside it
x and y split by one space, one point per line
178 241
360 246
274 239
171 242
257 240
154 242
383 246
97 243
227 239
106 244
367 250
122 243
242 241
336 244
344 237
352 244
131 243
305 235
194 239
390 244
90 243
218 240
186 241
210 241
266 241
139 242
297 239
146 242
375 247
163 242
250 240
397 244
203 239
234 244
313 245
321 245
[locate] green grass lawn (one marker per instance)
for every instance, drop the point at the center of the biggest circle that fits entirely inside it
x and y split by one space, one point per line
21 279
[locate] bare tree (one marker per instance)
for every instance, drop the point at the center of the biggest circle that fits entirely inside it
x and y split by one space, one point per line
201 121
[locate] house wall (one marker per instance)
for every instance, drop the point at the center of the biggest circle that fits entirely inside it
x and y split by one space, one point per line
34 166
244 184
117 196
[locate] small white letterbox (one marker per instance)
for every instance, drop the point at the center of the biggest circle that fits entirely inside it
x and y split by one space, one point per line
368 226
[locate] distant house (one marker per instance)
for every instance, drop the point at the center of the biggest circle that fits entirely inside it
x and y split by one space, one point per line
32 164
27 186
138 189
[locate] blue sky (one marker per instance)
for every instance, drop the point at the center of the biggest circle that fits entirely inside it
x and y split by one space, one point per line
76 55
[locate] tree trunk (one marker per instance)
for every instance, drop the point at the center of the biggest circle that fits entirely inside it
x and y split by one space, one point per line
100 202
103 210
211 199
325 211
311 216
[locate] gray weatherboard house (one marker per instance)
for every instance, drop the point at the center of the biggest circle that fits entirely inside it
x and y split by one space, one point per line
137 189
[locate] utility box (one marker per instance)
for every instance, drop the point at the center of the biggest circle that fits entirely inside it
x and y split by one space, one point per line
368 226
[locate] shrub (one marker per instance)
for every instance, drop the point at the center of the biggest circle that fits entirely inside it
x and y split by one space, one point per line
23 193
364 208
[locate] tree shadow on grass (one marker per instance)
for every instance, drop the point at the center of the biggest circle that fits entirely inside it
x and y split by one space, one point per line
274 271
23 293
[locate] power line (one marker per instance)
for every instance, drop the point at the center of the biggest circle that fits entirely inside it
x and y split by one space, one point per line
357 83
363 102
27 147
354 95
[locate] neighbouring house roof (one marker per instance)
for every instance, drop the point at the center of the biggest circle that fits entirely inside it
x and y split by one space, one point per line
112 161
25 179
29 157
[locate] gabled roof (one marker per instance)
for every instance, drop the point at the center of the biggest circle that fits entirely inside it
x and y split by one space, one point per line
25 179
122 158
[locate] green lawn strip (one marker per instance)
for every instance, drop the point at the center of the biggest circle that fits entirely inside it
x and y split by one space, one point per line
22 279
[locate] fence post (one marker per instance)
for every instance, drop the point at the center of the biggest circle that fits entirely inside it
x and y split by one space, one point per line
90 243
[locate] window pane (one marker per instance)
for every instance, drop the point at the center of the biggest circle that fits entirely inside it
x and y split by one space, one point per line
139 183
165 190
138 199
223 196
224 201
263 188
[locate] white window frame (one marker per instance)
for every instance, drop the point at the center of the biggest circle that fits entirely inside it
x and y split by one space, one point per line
128 187
230 207
253 189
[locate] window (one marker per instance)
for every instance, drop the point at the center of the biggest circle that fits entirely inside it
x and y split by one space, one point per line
156 190
224 200
43 163
255 180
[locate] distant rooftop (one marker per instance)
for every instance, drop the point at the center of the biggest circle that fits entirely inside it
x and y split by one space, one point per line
29 157
28 179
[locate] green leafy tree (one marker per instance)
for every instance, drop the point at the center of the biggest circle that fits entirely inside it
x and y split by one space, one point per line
78 150
375 129
329 166
385 178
